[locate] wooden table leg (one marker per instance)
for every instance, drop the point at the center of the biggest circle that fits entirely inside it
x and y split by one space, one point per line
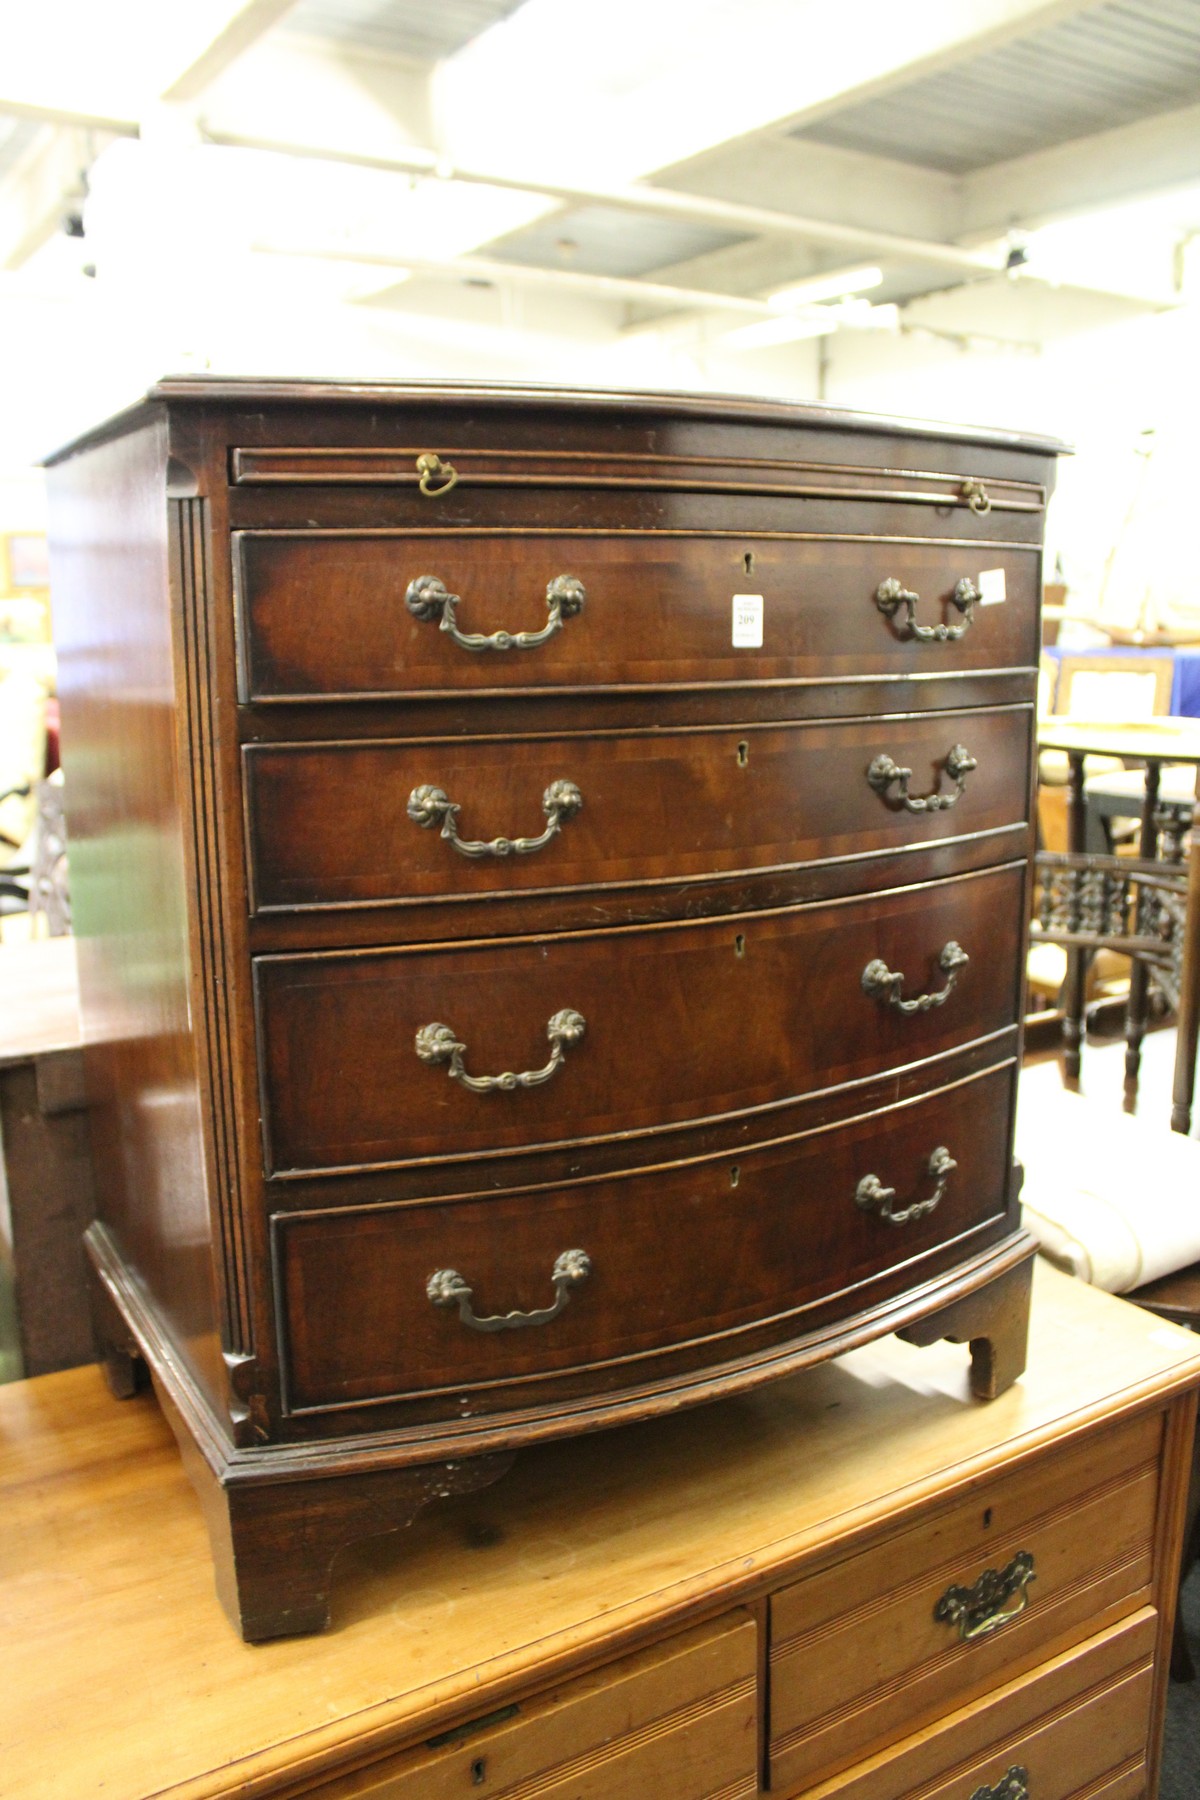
1139 973
47 1159
1189 994
1076 958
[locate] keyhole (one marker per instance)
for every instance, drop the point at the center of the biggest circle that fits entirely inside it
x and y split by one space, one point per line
987 1517
748 562
739 945
743 754
479 1771
735 1175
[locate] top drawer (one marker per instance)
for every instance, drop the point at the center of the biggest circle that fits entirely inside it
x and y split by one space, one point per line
374 612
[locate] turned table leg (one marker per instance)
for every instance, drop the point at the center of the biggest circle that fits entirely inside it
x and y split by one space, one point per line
1077 959
1139 973
1189 996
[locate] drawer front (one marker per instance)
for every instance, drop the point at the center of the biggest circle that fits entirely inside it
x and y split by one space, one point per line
336 824
679 1721
1076 1729
622 1031
674 1256
326 613
871 1649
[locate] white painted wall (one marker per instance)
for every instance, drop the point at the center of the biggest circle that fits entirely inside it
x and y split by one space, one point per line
1102 378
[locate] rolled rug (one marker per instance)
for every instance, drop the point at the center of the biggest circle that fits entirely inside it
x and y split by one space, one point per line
1109 1198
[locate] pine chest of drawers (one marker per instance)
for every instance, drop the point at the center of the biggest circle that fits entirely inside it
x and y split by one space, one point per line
551 872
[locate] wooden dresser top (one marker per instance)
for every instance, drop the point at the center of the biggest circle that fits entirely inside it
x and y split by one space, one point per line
241 391
125 1681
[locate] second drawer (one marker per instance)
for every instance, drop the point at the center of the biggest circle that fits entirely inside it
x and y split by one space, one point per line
335 824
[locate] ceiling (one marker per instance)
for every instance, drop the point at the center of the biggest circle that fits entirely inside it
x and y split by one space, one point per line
1106 66
658 161
414 29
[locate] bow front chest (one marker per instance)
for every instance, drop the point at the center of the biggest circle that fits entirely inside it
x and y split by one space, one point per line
552 874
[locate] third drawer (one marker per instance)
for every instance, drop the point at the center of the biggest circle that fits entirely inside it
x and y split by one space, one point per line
367 1056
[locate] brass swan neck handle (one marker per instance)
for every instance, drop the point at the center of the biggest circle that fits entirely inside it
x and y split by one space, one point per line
429 806
439 1044
428 598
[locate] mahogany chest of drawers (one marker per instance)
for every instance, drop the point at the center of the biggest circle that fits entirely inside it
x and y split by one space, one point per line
551 872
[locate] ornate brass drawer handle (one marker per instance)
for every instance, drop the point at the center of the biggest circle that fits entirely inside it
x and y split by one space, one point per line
884 984
1013 1786
872 1196
446 1287
429 805
432 469
428 598
883 772
984 1608
891 595
438 1044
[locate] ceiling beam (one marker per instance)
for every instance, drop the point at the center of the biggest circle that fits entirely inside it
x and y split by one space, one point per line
565 281
243 29
48 182
103 67
641 197
1149 156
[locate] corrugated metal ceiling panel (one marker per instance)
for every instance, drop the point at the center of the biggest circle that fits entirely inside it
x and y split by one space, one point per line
412 28
1109 65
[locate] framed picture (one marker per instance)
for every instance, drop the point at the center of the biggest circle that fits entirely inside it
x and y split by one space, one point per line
26 563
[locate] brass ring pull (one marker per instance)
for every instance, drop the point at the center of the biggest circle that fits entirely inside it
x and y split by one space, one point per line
883 773
872 1196
884 984
891 595
1013 1786
975 495
438 1044
446 1287
431 469
984 1608
427 806
428 598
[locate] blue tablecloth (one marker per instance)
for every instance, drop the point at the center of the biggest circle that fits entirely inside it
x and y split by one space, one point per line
1185 680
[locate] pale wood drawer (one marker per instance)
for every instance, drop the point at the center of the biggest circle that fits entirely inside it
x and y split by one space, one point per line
857 1653
1078 1726
678 1722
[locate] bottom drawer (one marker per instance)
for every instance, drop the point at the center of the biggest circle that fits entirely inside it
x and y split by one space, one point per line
676 1722
676 1258
1076 1726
